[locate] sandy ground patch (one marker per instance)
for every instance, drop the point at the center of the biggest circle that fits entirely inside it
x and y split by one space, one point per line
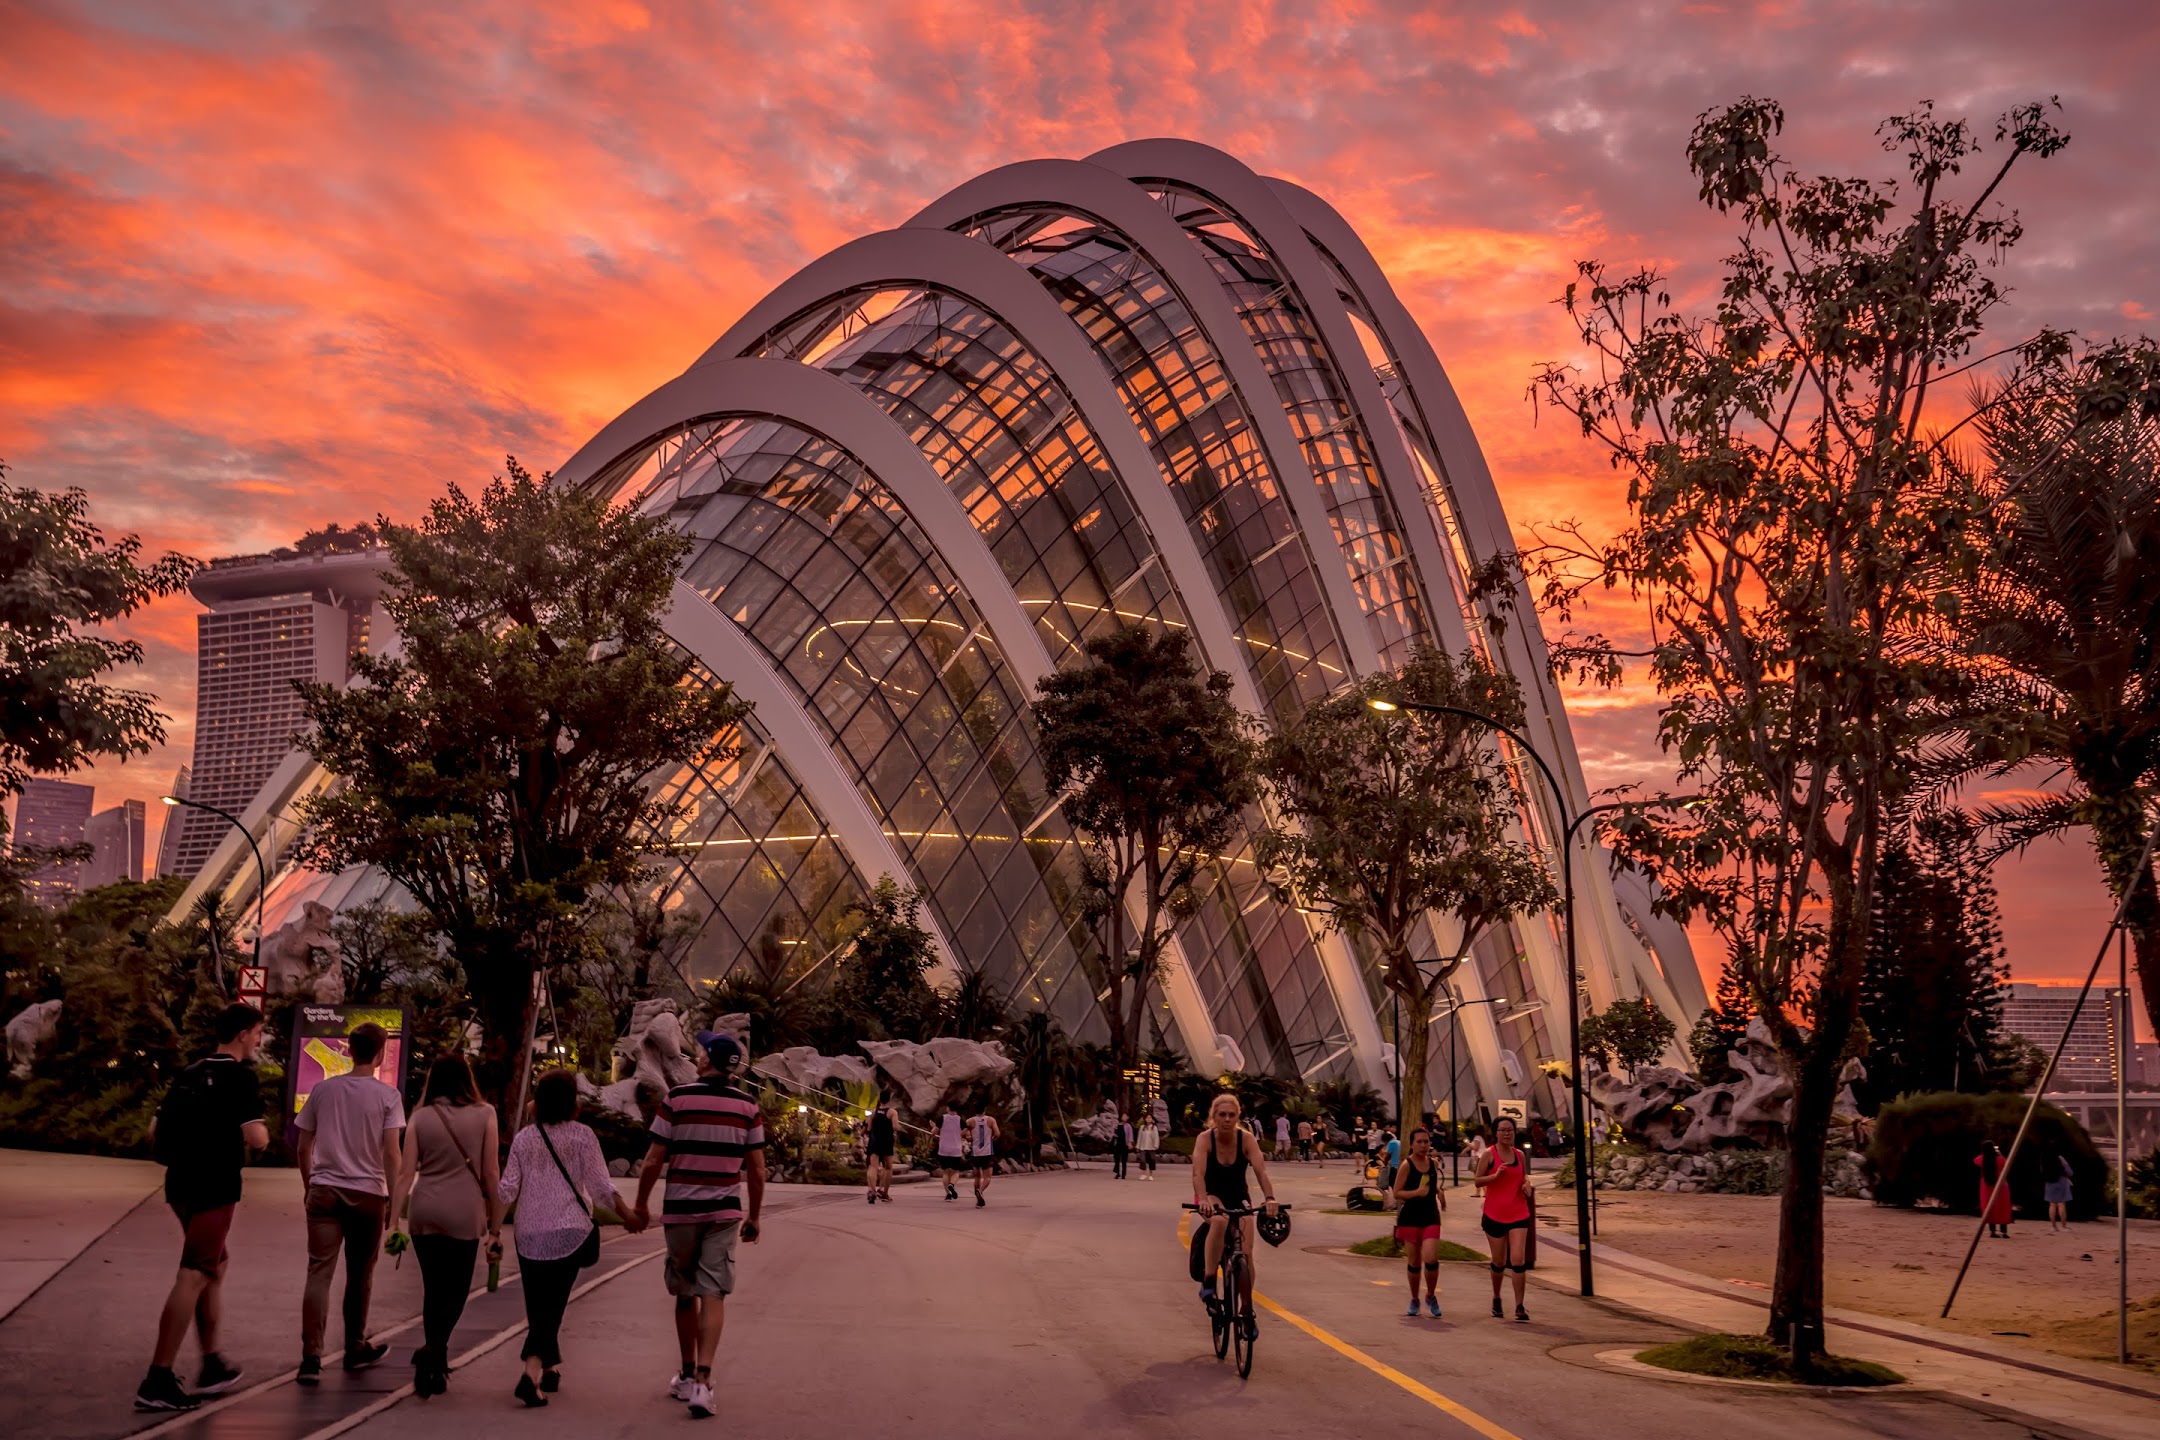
2057 1289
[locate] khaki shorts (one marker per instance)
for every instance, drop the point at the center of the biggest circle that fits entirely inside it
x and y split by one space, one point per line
701 1258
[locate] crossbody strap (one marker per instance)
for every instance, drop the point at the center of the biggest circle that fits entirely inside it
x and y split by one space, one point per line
470 1168
575 1193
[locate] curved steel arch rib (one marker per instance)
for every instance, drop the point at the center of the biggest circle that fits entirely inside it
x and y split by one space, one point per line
1250 199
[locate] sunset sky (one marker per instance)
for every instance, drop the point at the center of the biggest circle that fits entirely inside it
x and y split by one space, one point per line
266 265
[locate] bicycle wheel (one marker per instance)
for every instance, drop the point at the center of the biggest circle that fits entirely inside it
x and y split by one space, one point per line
1223 1312
1241 1330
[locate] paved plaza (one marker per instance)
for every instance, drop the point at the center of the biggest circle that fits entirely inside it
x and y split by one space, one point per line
1062 1309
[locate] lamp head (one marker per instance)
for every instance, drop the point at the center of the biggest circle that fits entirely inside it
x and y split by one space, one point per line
168 800
1384 706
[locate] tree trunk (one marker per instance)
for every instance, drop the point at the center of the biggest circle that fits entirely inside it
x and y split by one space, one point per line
2119 836
506 1011
1796 1294
1417 1016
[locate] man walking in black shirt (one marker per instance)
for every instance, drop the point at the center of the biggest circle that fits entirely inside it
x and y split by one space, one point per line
208 1122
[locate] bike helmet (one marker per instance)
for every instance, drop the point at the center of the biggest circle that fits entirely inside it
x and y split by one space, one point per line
1274 1228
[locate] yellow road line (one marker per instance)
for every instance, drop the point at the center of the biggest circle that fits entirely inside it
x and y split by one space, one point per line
1454 1409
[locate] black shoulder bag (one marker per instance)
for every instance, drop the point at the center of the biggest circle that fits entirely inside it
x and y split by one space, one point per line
589 1252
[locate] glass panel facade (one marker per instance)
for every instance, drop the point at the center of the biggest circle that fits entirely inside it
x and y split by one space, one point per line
1185 409
821 567
1367 530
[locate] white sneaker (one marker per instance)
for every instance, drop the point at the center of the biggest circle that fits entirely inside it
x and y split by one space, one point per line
680 1386
701 1401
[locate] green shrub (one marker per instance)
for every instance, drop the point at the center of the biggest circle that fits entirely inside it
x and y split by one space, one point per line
621 1138
1752 1357
1924 1147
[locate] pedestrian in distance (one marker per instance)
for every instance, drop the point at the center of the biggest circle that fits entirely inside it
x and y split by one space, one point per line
1478 1150
1503 1178
951 1150
982 1149
446 1190
349 1154
878 1151
210 1120
1120 1147
1282 1136
2058 1194
709 1140
1304 1141
1149 1141
1390 1157
1416 1184
1994 1192
555 1177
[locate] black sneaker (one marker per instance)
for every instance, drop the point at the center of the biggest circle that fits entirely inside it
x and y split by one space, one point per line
310 1370
364 1355
160 1390
216 1377
979 1201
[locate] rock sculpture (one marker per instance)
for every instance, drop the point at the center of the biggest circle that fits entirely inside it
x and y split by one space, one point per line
300 957
803 1068
658 1050
1672 1111
931 1075
28 1032
1102 1125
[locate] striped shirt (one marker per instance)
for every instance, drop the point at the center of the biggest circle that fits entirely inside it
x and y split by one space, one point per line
708 1129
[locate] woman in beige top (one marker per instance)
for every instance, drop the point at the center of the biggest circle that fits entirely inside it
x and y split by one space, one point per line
450 1174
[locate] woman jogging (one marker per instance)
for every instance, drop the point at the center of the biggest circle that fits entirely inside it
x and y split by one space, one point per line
1150 1142
1417 1225
1994 1192
2058 1194
878 1151
555 1176
450 1174
1505 1181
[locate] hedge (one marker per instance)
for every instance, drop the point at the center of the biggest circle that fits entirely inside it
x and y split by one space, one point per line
1924 1146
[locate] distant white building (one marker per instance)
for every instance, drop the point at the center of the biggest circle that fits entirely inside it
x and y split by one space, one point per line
117 835
2097 1041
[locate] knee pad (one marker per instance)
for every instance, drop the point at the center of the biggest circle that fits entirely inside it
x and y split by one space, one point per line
1432 1264
1520 1269
1497 1269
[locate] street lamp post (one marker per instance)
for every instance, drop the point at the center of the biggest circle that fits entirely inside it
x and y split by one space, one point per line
1574 1003
1454 1067
262 875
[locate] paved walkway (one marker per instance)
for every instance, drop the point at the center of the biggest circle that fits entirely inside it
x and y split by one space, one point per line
53 1207
1061 1309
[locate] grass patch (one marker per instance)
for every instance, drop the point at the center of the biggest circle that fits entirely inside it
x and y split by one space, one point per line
1387 1247
1752 1357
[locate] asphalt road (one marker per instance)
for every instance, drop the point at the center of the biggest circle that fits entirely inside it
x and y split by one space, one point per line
1061 1309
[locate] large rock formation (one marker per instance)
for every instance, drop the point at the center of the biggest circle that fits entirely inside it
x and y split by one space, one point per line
658 1051
27 1032
803 1068
300 957
942 1071
1672 1111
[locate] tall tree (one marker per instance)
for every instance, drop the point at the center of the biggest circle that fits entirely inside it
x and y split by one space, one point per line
2064 612
1721 1026
1154 765
883 990
1931 995
1798 516
59 578
498 767
1385 817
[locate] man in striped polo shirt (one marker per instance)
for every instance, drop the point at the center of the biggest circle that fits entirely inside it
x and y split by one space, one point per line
709 1139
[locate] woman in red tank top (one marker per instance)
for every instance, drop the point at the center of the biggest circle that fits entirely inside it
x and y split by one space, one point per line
1504 1178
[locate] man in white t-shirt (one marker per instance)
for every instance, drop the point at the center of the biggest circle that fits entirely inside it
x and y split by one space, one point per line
348 1152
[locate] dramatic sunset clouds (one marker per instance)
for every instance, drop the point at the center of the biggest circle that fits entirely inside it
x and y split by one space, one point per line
264 265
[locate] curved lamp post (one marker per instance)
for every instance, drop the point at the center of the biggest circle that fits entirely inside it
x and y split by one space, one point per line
262 875
1577 1133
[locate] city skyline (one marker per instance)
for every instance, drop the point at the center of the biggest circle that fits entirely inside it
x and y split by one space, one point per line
232 316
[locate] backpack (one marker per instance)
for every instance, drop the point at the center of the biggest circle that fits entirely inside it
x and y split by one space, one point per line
183 1117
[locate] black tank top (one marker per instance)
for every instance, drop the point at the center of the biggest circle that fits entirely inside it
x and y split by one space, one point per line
1420 1210
881 1130
1226 1182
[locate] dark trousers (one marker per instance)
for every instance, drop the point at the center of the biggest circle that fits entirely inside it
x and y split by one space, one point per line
548 1284
446 1270
1117 1160
1147 1161
351 1221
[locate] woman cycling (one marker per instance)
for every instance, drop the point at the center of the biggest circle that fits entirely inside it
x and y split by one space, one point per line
1505 1180
1417 1224
1219 1158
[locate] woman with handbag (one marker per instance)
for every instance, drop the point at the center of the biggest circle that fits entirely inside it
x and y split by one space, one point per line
449 1175
554 1175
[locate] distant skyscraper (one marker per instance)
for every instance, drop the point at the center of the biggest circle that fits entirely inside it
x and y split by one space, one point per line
2145 1063
118 835
274 619
2039 1012
49 814
168 850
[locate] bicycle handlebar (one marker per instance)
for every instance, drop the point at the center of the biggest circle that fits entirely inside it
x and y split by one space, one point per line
1241 1209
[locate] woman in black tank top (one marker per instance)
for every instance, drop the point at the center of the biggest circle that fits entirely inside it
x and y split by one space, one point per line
1220 1155
1417 1226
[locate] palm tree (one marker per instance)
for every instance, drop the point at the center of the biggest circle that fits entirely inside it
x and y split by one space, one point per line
973 1008
2065 620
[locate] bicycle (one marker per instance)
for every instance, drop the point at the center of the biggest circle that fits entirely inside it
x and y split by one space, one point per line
1230 1314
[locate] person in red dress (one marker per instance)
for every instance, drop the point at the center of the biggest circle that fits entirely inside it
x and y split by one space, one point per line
1994 1192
